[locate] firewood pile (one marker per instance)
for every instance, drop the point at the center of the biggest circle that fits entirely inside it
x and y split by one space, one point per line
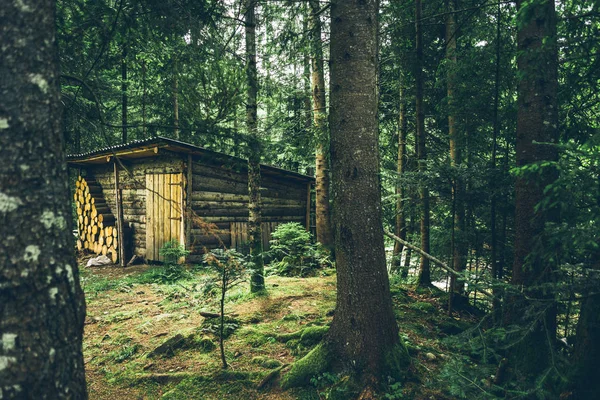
96 227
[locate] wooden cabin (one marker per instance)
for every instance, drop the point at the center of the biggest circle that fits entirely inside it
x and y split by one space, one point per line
163 190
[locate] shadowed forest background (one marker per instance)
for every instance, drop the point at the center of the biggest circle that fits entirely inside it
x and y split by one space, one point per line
453 251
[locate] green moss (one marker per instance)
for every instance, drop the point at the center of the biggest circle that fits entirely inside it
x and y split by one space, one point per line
266 362
313 334
205 344
307 336
397 362
423 306
303 370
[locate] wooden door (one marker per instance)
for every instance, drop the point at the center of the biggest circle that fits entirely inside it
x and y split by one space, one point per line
164 212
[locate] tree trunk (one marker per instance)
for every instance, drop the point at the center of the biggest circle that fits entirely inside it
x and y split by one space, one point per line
257 280
175 100
456 144
124 92
323 217
400 225
424 272
144 100
42 308
496 303
586 351
408 255
537 120
363 333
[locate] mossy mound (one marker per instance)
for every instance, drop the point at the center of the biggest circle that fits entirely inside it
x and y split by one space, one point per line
314 363
265 362
169 347
307 337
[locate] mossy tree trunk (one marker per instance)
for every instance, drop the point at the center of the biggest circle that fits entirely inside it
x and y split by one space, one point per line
257 280
42 308
323 215
364 336
537 120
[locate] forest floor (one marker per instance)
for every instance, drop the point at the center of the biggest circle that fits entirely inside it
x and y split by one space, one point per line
132 311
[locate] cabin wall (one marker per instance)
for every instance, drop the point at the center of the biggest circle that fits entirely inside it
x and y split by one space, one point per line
220 196
132 181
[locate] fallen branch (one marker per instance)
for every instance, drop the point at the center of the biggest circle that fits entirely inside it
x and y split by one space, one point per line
432 258
206 314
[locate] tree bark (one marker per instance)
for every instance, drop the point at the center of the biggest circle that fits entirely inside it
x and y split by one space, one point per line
496 304
124 91
323 214
456 143
424 278
175 100
586 351
363 333
402 163
144 97
42 308
257 280
537 120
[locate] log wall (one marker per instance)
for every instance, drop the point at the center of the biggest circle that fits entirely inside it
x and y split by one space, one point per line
220 196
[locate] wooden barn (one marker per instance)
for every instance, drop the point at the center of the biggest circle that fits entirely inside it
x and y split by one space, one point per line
163 190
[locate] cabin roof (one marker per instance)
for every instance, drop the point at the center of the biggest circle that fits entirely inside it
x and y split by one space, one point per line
151 147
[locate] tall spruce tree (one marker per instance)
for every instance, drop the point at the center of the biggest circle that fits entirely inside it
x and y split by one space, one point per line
537 136
363 339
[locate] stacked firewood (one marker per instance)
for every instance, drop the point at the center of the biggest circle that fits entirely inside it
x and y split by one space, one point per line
96 227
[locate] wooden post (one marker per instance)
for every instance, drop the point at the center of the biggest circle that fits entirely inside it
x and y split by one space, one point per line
308 188
187 221
121 246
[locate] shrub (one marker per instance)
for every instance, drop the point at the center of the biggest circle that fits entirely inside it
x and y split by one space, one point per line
293 252
172 251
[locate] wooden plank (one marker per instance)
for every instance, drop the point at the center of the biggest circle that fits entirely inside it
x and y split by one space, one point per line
307 224
295 218
149 217
188 202
233 232
120 249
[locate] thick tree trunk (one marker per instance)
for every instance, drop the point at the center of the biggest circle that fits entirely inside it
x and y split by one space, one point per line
424 271
363 334
42 308
323 217
537 121
257 280
400 223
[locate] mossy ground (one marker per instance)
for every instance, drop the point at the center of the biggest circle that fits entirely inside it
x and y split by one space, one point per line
127 318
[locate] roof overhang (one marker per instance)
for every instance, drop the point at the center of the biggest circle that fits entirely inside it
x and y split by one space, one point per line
152 147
